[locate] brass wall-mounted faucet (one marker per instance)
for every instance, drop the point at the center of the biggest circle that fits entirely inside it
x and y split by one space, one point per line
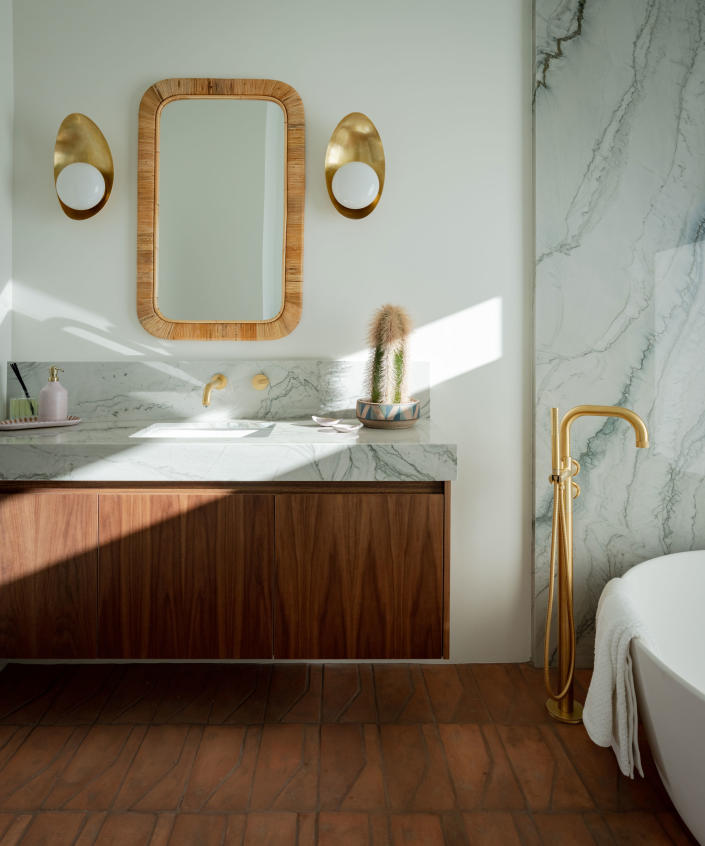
561 705
218 381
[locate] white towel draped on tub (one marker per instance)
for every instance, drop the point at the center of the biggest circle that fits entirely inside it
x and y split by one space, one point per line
610 713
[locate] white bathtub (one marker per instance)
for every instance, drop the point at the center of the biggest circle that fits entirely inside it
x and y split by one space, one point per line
669 593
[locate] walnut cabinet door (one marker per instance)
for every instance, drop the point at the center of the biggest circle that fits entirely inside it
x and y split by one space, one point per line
185 575
359 575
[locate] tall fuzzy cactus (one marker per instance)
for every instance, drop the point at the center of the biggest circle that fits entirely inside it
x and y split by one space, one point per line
388 365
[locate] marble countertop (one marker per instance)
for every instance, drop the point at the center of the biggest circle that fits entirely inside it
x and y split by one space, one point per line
292 451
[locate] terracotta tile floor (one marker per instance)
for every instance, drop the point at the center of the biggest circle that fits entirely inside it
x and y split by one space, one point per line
378 755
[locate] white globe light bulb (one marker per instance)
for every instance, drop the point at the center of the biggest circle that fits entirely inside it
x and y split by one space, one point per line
355 185
80 186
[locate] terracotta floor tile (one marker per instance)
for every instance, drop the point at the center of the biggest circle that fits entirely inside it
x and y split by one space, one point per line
277 829
415 770
14 831
53 829
198 830
502 791
454 693
123 829
27 691
81 694
491 828
598 828
676 829
341 829
643 794
401 694
348 694
295 694
11 738
496 690
235 829
530 704
136 695
220 752
241 698
28 776
286 776
98 790
559 829
306 754
596 766
158 774
182 700
351 768
380 828
526 827
163 829
468 760
637 827
454 830
90 829
99 753
416 830
306 824
232 791
546 776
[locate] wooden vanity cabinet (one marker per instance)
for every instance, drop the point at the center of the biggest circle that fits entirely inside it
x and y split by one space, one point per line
48 574
185 575
359 575
283 570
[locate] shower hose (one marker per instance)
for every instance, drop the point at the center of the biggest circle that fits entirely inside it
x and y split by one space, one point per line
559 536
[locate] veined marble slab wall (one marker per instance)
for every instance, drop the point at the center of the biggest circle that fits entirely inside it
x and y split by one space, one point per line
620 287
165 389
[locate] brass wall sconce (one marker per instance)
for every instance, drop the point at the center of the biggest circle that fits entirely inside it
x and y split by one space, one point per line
83 167
355 166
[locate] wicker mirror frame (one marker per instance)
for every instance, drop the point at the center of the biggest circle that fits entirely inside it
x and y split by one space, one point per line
153 101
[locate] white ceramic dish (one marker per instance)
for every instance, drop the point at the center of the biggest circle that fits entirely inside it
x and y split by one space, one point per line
36 423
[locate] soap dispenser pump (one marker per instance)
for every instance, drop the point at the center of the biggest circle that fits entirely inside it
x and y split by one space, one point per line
53 398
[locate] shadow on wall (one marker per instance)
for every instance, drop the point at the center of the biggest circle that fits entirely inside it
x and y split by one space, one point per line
455 344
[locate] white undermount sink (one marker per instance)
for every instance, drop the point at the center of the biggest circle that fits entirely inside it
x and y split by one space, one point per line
218 430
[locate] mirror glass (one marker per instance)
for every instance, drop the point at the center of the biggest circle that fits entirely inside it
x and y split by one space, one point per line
221 211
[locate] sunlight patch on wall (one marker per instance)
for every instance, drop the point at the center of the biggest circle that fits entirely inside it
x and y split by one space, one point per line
455 344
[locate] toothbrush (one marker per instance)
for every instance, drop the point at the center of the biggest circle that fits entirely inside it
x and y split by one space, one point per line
16 371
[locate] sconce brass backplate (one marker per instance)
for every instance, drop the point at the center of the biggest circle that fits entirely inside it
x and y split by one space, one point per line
354 139
80 140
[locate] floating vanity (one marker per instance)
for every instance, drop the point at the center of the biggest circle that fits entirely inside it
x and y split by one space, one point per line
285 542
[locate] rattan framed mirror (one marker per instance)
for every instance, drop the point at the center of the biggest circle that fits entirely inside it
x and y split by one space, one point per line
220 207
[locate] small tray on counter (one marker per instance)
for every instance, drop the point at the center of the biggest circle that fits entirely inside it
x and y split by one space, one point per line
36 423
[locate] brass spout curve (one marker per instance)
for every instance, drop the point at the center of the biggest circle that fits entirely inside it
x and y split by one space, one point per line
219 381
640 430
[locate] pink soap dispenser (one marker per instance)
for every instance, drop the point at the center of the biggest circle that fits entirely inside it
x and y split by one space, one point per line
53 398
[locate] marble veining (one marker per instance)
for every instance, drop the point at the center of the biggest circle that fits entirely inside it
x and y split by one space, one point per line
293 451
166 389
620 288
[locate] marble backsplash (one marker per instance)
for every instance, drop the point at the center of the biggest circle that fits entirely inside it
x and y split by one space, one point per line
620 280
165 390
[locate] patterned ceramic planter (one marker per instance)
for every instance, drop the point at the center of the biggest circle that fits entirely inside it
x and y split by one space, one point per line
388 415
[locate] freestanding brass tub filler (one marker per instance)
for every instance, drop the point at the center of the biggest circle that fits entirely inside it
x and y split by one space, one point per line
561 705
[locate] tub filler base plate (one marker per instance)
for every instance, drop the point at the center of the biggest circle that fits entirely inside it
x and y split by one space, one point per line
573 717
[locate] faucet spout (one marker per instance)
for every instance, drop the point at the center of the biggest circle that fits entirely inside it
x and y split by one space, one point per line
640 430
218 381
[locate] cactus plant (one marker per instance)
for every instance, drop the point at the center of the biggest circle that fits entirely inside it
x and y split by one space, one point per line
388 364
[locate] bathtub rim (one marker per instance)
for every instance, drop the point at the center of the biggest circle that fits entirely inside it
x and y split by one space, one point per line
632 575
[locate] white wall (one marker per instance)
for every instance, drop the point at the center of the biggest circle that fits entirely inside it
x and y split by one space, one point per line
5 194
448 86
